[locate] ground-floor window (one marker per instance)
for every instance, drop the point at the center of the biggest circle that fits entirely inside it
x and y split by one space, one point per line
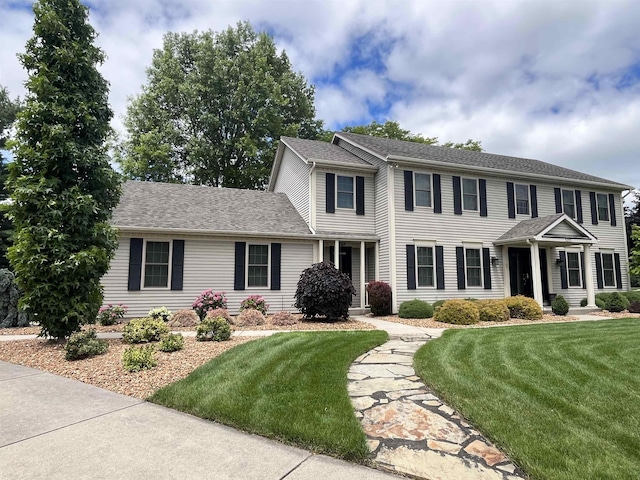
156 264
574 271
473 259
258 266
425 266
608 270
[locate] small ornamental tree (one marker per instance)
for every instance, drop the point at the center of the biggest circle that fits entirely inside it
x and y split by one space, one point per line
62 185
324 291
379 298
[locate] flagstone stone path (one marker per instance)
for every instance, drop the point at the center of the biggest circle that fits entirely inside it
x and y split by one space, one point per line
409 429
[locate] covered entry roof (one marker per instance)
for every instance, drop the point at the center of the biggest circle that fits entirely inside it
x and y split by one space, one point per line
557 229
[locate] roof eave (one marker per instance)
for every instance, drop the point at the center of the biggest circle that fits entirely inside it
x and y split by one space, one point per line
214 233
345 165
360 146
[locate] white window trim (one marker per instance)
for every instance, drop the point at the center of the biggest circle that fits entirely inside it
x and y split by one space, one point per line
581 273
462 179
515 198
144 263
573 196
466 272
608 219
415 196
353 193
613 262
246 267
432 246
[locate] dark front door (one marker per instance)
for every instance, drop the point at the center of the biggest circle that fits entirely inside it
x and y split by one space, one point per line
345 261
520 275
544 275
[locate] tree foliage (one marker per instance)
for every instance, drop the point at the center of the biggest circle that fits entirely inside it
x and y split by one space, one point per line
61 183
634 258
213 109
632 218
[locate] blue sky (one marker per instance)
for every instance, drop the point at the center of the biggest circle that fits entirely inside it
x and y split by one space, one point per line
553 80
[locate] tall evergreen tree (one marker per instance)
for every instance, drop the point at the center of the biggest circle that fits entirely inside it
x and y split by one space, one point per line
61 183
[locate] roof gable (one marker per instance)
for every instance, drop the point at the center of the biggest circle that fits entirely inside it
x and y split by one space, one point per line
558 228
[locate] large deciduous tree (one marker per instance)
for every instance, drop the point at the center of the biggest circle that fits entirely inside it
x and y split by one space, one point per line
213 110
632 219
61 183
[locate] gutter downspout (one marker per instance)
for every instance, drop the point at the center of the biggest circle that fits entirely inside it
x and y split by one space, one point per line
392 236
312 199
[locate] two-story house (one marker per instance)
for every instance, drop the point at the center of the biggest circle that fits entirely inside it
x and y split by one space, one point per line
433 222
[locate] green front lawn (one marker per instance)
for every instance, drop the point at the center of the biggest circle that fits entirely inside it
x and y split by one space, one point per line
562 400
290 386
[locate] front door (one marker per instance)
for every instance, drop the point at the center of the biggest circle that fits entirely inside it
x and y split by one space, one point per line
520 275
544 275
345 260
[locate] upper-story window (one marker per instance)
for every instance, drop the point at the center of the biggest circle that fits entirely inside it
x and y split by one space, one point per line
569 203
156 265
422 183
344 191
522 199
603 207
469 194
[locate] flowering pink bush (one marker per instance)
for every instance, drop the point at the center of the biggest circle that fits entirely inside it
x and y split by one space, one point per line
209 300
255 302
111 314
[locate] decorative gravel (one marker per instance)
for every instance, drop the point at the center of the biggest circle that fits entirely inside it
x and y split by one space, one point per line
431 323
625 314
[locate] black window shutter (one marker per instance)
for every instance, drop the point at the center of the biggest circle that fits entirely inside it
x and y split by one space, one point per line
411 267
437 194
486 266
534 200
330 188
584 279
440 267
612 209
616 260
579 206
457 196
558 194
511 200
238 278
408 190
599 276
177 265
359 195
460 267
594 208
482 186
276 258
135 263
564 281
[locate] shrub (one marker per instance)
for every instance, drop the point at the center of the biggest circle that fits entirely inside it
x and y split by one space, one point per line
140 330
215 329
111 314
559 306
415 309
256 302
615 302
437 304
135 359
184 318
632 296
379 298
523 307
161 313
221 312
10 314
208 300
583 302
493 310
324 291
603 297
458 312
83 345
250 317
634 307
283 318
171 342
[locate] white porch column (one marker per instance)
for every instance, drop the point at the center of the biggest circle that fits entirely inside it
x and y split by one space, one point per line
588 276
320 251
505 271
376 275
535 272
336 254
362 276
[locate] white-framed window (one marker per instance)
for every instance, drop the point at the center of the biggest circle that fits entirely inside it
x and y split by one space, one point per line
470 194
258 265
425 266
574 269
473 264
602 200
157 263
608 269
344 192
422 187
569 203
522 199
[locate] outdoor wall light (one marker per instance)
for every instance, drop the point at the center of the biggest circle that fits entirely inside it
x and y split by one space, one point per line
494 261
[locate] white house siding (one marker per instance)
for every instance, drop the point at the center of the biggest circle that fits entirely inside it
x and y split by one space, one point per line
450 231
208 263
293 180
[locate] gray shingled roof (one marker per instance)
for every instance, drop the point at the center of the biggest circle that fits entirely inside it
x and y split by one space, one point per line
387 147
529 228
316 150
193 207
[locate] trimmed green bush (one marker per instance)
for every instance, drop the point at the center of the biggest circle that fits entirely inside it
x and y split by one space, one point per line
141 330
379 298
437 304
324 291
616 302
492 310
135 359
215 329
523 307
632 296
559 306
458 312
171 342
603 297
583 302
415 309
84 344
